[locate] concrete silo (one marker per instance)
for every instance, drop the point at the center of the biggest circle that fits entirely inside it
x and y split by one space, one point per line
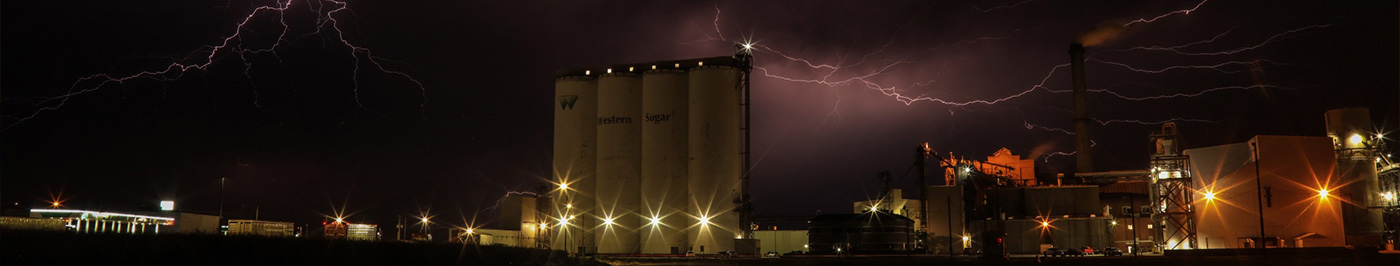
663 185
619 162
715 159
575 160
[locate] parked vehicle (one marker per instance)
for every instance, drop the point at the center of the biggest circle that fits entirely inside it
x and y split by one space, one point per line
1054 252
1112 251
1074 252
1087 250
770 254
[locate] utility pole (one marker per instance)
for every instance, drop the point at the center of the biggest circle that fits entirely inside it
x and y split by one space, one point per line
1259 185
921 153
950 225
1133 212
221 196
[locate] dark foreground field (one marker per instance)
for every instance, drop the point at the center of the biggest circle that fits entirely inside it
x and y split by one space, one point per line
58 248
1336 259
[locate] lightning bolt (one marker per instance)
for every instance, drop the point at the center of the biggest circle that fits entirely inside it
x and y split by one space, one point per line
235 45
1183 12
1245 66
1178 49
1158 122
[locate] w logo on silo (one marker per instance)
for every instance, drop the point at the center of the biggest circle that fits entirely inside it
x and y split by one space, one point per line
567 101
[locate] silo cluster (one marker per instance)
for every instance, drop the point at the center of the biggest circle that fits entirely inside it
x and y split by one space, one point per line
647 157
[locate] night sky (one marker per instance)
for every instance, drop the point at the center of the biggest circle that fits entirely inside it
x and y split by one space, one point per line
298 130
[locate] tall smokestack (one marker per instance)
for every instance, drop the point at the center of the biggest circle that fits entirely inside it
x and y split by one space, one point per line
1083 158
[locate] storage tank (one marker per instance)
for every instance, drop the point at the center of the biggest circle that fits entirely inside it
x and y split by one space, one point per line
664 130
715 162
575 158
619 163
1356 142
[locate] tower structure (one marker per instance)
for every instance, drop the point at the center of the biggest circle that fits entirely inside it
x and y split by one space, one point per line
1173 211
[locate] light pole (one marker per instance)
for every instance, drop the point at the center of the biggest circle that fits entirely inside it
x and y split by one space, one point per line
221 196
1259 185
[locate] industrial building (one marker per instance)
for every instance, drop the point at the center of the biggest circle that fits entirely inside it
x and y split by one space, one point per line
522 223
870 232
351 231
1304 191
84 221
782 241
1299 191
237 227
649 158
893 203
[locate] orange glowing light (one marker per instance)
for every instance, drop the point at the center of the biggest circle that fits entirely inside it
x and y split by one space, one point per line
1322 193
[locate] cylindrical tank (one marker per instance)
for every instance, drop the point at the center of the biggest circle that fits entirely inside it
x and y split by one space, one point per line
619 163
664 130
715 162
575 160
1354 139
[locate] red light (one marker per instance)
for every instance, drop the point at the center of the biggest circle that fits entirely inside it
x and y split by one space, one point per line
998 241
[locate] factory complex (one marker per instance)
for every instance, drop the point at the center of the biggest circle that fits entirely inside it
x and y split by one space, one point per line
652 158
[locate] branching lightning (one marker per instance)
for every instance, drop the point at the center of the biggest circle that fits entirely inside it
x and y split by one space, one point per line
1168 14
842 73
1179 48
235 45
